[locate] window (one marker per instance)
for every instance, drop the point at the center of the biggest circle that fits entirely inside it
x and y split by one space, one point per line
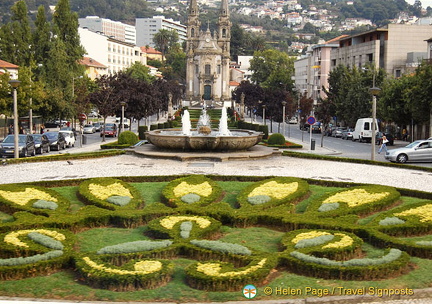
366 126
207 69
224 34
398 73
192 32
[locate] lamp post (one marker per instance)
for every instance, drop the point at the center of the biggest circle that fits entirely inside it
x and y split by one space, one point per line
15 83
374 91
283 117
123 103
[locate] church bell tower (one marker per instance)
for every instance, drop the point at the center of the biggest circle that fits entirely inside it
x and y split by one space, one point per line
208 57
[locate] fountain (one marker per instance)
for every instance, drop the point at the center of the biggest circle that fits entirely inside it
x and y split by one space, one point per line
186 124
203 137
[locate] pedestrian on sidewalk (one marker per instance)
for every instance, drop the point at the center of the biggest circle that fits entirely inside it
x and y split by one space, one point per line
384 144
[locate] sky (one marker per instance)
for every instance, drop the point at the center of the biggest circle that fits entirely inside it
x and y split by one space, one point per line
425 3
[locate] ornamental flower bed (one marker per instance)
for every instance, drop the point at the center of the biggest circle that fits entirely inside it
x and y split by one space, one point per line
328 245
195 189
110 193
356 200
273 192
34 199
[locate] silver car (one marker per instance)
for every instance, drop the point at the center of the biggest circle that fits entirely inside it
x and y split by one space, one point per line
417 151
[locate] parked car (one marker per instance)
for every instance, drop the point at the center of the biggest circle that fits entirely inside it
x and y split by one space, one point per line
89 129
26 146
42 143
379 136
417 151
347 134
293 120
57 140
316 128
98 126
109 130
69 137
337 132
75 132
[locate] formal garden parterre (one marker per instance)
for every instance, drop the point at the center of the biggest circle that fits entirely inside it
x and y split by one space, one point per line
347 233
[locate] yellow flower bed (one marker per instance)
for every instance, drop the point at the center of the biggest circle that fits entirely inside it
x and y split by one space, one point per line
23 197
308 235
214 269
142 267
274 189
203 189
104 192
13 237
170 221
355 197
345 241
423 212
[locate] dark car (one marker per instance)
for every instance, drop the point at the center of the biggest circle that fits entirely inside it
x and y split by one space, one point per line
57 140
379 137
26 146
316 128
42 143
109 130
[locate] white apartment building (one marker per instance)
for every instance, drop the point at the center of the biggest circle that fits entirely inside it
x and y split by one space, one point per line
115 54
115 29
146 28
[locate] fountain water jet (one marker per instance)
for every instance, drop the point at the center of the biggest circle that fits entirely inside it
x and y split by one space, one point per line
223 124
203 138
186 123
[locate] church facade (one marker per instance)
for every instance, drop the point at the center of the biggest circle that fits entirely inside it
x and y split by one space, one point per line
208 57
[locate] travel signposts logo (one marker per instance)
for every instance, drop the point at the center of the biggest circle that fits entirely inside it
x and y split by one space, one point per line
249 291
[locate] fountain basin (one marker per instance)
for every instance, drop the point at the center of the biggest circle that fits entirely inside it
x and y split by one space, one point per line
174 139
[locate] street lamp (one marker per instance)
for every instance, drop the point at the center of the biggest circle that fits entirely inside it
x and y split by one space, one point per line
374 91
283 116
123 103
15 83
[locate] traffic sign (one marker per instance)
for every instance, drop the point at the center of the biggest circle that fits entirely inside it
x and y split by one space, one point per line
311 120
82 116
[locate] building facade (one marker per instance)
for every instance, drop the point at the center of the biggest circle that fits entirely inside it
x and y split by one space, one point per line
389 48
208 57
116 55
146 28
115 29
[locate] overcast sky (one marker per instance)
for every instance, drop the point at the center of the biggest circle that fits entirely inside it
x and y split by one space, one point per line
425 3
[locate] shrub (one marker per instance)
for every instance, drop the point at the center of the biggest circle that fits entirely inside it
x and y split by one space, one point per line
276 139
128 137
141 132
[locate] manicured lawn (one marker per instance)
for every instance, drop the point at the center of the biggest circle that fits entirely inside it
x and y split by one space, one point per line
66 284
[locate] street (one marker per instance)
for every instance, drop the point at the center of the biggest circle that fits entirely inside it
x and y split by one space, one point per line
342 148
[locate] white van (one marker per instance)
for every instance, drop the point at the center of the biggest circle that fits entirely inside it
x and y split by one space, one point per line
126 122
363 130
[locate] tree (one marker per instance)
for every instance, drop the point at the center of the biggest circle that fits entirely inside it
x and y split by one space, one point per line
164 40
253 93
104 97
66 24
139 71
16 37
41 38
272 69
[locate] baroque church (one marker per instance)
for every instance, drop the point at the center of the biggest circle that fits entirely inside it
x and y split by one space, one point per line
208 57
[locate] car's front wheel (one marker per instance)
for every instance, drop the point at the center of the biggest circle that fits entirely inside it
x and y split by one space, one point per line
402 158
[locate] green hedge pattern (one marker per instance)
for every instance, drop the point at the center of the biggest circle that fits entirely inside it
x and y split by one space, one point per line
40 241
